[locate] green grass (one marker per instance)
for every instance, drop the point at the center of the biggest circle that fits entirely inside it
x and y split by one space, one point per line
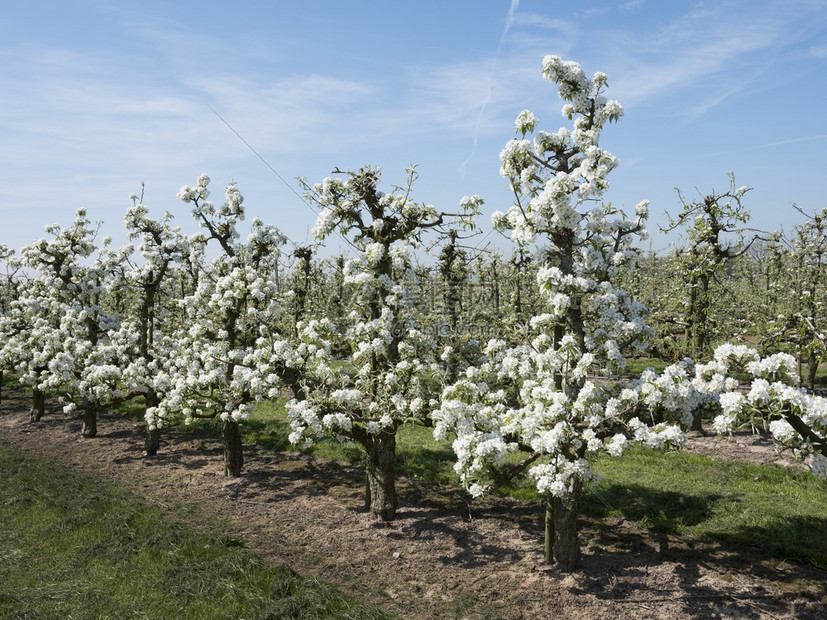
71 548
11 383
134 408
782 511
418 454
635 366
821 375
779 510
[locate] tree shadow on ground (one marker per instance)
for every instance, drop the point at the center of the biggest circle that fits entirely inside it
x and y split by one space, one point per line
621 550
660 511
657 510
620 563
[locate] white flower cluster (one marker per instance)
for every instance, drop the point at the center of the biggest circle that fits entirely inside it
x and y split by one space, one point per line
228 352
546 421
539 399
526 122
57 331
582 166
394 361
773 395
325 223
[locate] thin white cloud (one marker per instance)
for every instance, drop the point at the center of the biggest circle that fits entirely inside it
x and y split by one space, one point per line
792 141
697 47
100 115
512 10
295 114
632 5
452 94
719 97
631 162
538 20
594 12
818 51
535 35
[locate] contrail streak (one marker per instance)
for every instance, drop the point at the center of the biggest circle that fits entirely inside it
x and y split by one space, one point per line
508 22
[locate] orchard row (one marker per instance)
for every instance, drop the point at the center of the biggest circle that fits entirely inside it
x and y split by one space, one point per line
205 325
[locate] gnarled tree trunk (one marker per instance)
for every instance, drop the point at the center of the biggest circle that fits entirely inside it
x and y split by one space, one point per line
697 422
153 441
38 405
233 451
90 420
153 436
562 544
812 369
380 495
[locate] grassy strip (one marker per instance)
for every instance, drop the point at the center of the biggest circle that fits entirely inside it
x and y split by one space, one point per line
779 510
418 454
782 511
70 548
635 366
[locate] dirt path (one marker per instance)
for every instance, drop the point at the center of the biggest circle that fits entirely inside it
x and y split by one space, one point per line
438 559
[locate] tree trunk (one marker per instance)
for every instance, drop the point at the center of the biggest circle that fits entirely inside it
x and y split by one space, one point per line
690 326
233 452
562 544
812 369
380 490
90 421
153 441
548 543
697 421
38 405
702 317
153 436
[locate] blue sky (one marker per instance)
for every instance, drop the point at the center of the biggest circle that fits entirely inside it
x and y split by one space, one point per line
99 95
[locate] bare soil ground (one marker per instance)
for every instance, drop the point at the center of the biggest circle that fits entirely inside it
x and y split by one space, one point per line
440 558
744 445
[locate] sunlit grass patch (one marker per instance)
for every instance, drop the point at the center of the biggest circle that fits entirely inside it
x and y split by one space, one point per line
418 454
781 511
70 547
